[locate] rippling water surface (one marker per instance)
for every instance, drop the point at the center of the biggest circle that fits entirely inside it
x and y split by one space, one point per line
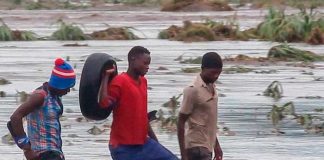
27 64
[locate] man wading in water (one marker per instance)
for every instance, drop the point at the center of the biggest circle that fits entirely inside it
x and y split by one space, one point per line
131 137
199 110
43 110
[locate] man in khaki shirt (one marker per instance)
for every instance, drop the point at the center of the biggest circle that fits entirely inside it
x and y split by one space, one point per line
199 110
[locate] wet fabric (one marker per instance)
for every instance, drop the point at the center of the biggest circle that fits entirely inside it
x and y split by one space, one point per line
199 153
151 150
43 124
51 155
130 121
200 104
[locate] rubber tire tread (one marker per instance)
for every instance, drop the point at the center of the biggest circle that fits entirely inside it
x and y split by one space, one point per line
90 82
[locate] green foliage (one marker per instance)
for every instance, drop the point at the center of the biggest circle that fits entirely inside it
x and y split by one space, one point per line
277 113
133 1
17 2
68 32
237 69
163 35
169 122
191 70
311 124
198 33
274 90
34 6
291 28
5 33
4 81
196 60
285 52
28 36
207 31
129 34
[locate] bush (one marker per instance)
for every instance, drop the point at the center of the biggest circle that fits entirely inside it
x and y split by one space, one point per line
68 32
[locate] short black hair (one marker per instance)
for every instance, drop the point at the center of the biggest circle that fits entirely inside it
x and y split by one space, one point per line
136 51
211 60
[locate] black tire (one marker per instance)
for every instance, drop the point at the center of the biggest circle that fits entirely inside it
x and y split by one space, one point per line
90 81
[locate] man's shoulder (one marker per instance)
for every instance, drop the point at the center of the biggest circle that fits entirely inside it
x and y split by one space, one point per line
190 89
119 78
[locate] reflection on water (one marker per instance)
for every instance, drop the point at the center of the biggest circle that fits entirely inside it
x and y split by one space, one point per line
27 64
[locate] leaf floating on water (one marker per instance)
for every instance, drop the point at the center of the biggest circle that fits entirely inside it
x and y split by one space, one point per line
7 139
95 130
4 81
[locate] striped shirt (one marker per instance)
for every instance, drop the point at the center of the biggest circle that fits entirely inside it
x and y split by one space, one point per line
43 125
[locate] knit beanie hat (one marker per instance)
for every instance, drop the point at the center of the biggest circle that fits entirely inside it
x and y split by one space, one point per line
63 76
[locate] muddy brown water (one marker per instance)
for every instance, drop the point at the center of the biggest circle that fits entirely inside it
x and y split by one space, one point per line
27 64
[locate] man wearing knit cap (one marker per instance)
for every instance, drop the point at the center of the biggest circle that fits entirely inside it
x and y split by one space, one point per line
42 111
199 111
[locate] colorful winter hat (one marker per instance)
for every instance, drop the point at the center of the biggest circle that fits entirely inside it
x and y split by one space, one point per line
63 76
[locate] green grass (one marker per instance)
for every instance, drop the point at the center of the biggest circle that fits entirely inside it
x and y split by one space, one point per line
5 33
68 32
289 28
288 53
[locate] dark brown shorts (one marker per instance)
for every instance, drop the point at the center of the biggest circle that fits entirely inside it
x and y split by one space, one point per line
199 153
51 155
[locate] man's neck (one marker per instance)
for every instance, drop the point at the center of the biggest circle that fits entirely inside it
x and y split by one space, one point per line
133 75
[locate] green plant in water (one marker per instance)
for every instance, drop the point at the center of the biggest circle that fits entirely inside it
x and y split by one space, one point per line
192 60
17 2
24 35
22 96
68 32
5 32
4 81
129 34
237 69
170 122
277 113
34 6
285 52
191 70
274 90
291 28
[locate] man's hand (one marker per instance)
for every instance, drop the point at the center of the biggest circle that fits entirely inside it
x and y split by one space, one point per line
110 71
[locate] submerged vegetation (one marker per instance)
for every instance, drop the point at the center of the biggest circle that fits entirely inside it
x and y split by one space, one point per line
310 123
278 3
305 26
122 33
68 32
195 5
284 52
301 27
207 31
6 34
168 119
274 90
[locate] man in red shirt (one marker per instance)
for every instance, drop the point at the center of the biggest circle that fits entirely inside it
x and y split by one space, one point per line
131 136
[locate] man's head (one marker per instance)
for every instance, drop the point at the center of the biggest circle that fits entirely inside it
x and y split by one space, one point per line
139 60
62 78
211 67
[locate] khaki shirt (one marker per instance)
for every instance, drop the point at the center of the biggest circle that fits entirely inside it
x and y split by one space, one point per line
201 105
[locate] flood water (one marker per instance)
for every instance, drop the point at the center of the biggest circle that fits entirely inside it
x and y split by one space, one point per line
243 109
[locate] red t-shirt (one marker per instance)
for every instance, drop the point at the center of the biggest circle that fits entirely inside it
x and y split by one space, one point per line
130 121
